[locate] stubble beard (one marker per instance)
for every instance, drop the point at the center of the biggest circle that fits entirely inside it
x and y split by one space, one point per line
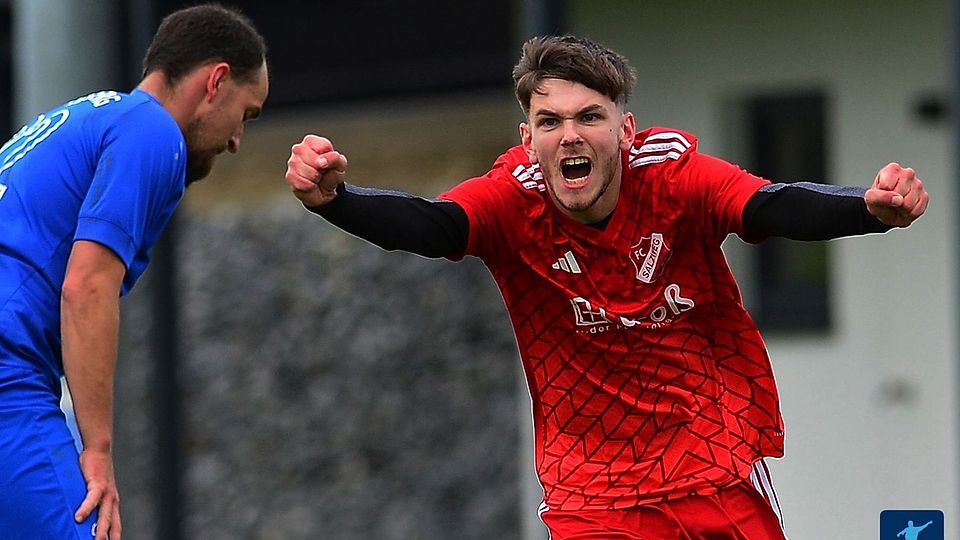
199 166
583 206
199 162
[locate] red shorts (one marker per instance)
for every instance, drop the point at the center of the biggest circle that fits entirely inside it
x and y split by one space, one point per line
738 512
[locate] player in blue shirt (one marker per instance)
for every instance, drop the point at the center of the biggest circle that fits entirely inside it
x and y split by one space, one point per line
85 191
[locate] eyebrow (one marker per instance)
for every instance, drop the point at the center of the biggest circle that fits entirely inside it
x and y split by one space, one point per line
588 109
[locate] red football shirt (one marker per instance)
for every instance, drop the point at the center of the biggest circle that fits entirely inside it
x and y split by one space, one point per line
649 379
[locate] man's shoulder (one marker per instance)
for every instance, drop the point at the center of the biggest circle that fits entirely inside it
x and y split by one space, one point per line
136 112
512 182
515 168
101 104
659 145
140 110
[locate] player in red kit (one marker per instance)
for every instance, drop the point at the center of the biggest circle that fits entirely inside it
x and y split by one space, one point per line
654 401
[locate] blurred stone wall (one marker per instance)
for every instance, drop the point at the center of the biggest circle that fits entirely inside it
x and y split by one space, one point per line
330 389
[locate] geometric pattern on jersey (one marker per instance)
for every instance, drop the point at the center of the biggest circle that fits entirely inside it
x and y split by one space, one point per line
642 391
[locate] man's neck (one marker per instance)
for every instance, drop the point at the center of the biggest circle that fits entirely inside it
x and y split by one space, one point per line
180 99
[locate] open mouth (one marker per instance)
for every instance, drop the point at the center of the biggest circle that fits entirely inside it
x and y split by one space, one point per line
575 170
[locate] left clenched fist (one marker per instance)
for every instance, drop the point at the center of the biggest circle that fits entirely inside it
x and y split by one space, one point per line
897 197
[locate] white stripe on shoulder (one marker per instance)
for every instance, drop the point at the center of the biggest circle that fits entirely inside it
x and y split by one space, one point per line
654 158
530 177
666 136
658 148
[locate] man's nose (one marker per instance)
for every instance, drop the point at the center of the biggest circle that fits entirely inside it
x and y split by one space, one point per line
570 135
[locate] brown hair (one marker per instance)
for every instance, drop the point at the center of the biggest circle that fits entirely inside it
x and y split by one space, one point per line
194 36
573 59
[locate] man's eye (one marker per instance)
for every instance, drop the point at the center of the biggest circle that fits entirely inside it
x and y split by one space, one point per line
549 122
591 117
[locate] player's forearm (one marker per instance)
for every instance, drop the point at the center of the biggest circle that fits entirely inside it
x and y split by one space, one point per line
807 211
90 321
395 220
89 326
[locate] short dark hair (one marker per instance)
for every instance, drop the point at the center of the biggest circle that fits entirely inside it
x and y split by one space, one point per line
194 36
573 59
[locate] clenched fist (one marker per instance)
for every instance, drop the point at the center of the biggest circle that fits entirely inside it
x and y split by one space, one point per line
314 171
897 197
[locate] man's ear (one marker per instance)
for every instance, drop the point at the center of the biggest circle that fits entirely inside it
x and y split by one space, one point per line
219 73
526 139
628 130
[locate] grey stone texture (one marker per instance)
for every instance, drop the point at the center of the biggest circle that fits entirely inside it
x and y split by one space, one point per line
330 389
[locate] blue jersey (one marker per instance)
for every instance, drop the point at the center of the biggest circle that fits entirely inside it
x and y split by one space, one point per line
108 167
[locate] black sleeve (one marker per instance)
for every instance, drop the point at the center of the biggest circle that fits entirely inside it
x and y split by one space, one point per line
395 220
808 211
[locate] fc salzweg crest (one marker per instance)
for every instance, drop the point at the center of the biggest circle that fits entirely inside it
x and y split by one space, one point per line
649 256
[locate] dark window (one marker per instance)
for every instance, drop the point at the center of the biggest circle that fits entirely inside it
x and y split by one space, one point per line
788 144
335 51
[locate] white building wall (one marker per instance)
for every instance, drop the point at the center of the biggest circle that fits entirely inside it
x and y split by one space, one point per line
871 407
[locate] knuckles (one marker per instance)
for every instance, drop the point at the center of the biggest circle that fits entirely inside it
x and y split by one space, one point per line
317 143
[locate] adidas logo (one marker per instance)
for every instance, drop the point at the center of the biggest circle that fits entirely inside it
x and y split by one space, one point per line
567 263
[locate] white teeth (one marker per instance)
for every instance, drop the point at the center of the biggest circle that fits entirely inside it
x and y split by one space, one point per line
573 162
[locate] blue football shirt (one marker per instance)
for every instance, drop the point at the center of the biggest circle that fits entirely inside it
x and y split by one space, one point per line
107 167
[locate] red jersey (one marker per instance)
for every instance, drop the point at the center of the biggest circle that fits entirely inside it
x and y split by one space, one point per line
649 379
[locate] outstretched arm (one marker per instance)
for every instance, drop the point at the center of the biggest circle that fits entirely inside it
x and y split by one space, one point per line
807 211
389 219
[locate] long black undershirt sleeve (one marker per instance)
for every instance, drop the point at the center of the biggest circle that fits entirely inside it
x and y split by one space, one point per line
394 220
808 211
